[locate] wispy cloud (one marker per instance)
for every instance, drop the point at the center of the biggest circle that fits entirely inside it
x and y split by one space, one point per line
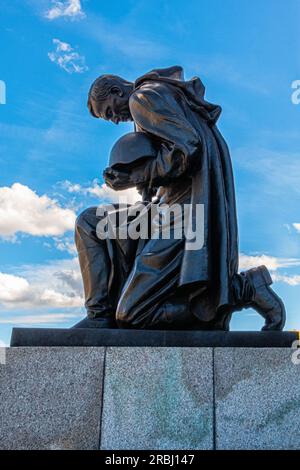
102 192
216 66
292 280
46 318
67 58
273 264
123 39
65 244
24 211
69 8
280 169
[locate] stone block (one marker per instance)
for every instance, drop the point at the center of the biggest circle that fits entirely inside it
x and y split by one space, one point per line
50 398
158 398
257 399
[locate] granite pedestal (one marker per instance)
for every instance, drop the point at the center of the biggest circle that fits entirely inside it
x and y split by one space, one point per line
173 390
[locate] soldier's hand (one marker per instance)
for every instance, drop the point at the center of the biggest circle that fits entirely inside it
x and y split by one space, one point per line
116 179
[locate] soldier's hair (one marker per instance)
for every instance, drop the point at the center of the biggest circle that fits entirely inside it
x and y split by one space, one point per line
102 87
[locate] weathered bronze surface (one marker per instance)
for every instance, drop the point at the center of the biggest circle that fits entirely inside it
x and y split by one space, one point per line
180 158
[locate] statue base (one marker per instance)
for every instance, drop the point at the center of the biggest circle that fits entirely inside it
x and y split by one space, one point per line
172 391
153 338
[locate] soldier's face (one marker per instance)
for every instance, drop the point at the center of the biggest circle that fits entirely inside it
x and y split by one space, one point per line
115 108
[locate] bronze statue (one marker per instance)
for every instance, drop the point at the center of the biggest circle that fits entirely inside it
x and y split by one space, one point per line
180 158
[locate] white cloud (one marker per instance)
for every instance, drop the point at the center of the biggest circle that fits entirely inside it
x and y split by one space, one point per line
38 319
72 187
12 287
103 192
65 244
272 263
293 280
62 46
54 285
67 8
67 58
59 275
297 227
22 210
17 291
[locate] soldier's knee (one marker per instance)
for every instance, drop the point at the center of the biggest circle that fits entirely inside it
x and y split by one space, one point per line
123 315
85 216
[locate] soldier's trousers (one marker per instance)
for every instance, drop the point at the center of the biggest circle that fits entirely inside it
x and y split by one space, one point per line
134 282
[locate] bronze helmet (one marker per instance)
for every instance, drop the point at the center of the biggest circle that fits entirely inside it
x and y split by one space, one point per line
130 148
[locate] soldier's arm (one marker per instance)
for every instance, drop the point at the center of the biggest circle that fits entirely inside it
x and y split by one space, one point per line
156 111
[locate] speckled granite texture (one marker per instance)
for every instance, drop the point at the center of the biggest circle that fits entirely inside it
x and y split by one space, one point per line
50 398
158 398
257 399
149 398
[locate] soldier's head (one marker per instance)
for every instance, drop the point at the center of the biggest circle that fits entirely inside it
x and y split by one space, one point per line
109 98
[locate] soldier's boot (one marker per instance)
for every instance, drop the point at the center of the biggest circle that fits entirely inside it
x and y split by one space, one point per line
252 289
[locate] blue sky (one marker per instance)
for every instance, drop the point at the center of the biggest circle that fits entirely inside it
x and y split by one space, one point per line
52 152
